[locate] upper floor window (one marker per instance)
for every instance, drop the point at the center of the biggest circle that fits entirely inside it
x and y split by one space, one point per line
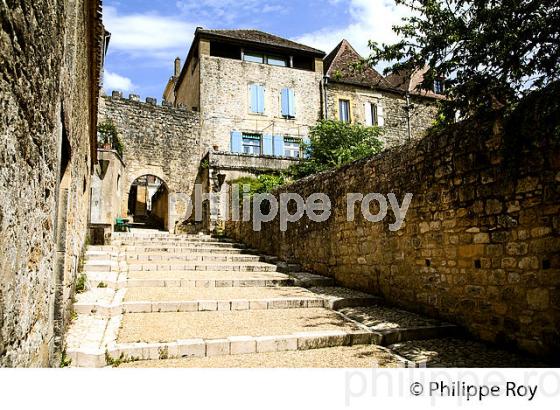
344 110
374 114
256 98
253 58
292 147
439 86
262 58
277 61
288 103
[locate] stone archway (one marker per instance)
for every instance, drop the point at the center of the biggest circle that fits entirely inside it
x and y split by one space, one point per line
148 202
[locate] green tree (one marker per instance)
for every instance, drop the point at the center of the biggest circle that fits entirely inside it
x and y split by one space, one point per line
492 52
335 143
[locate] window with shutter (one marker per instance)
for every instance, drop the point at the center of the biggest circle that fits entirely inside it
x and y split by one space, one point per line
256 96
288 103
236 142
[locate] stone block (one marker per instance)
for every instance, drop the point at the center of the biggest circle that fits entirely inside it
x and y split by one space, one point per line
242 345
217 347
191 348
276 343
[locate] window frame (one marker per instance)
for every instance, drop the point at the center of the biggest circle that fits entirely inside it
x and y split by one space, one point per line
289 146
341 102
254 54
257 138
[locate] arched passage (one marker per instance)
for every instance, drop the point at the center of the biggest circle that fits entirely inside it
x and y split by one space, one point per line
148 202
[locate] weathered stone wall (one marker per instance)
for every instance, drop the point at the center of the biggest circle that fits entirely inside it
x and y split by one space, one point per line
106 188
422 115
158 140
224 99
481 243
48 80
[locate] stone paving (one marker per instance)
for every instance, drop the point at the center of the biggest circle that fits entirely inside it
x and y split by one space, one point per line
162 300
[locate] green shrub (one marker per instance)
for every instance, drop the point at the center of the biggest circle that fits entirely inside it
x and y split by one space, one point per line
335 143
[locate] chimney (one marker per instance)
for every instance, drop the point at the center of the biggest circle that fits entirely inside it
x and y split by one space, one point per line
177 67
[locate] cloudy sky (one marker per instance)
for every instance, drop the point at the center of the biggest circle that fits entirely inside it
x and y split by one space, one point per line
147 35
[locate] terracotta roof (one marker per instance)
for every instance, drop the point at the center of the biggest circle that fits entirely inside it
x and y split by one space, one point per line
259 37
340 66
409 80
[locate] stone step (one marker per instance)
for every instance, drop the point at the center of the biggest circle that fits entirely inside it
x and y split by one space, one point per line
155 336
107 302
201 279
350 357
397 325
188 256
198 266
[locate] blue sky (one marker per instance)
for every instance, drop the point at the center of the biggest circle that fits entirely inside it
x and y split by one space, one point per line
147 35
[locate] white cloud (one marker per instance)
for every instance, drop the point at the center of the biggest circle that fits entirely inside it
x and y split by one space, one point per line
370 20
114 81
227 11
150 36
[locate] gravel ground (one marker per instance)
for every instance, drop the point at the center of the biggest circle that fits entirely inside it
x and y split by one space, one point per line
185 294
453 352
334 357
383 318
165 327
199 275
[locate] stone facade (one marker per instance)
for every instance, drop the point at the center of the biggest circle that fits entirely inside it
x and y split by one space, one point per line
158 140
481 241
393 104
50 57
224 100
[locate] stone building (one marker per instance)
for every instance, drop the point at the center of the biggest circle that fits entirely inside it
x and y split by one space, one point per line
51 55
241 105
359 94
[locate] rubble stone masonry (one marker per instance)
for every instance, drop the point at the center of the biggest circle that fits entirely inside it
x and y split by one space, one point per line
158 140
49 62
480 246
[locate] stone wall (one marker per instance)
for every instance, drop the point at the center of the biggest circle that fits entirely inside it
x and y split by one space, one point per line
158 140
106 188
224 99
422 115
481 243
49 79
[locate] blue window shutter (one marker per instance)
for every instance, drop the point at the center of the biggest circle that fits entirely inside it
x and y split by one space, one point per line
267 144
260 99
285 102
306 142
291 103
254 98
278 146
236 142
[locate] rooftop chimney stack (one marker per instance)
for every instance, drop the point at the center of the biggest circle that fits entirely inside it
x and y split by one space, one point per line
177 67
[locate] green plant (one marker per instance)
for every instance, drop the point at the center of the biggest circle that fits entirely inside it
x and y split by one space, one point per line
65 360
335 143
119 360
261 184
81 283
101 285
107 133
205 164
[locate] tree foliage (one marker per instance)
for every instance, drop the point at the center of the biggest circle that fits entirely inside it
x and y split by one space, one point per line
335 143
491 52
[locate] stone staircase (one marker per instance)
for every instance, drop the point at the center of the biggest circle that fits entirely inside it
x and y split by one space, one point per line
157 296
